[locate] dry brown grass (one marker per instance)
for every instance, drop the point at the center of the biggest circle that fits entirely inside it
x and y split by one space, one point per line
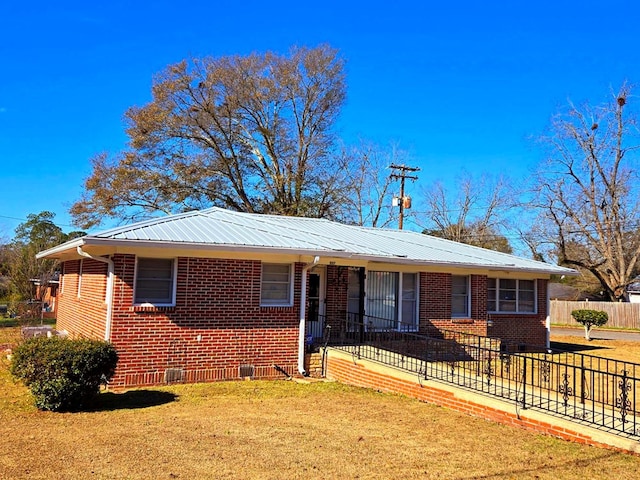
627 351
279 430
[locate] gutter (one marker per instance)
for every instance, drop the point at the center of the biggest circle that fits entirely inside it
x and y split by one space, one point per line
112 243
109 291
303 314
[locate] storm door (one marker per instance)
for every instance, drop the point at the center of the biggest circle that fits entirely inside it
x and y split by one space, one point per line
355 300
316 304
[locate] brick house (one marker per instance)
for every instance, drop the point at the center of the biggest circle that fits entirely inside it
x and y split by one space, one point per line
215 294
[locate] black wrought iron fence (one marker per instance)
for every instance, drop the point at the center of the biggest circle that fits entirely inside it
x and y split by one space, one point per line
582 387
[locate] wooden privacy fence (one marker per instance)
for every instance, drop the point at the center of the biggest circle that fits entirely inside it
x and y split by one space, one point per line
622 315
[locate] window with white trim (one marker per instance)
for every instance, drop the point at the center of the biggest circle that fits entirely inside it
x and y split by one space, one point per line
155 281
460 296
392 300
510 295
277 285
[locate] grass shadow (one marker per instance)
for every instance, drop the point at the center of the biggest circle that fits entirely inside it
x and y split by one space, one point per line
576 347
131 400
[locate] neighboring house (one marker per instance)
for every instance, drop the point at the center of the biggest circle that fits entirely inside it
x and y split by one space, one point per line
216 294
633 291
561 291
47 294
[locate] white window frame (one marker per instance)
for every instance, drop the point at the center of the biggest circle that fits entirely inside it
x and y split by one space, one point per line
518 310
467 314
277 303
174 276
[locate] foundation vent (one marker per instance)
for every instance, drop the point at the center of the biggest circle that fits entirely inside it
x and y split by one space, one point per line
246 371
173 375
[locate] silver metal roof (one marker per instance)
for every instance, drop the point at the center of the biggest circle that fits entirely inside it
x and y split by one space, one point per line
219 228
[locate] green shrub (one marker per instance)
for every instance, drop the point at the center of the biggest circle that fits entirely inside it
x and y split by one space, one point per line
63 374
590 319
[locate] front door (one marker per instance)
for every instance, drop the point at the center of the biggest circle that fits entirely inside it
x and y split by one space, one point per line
316 304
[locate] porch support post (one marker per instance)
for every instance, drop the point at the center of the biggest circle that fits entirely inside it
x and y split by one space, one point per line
548 319
303 314
361 274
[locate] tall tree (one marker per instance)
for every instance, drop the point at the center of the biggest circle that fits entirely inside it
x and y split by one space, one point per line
36 234
589 194
475 214
251 133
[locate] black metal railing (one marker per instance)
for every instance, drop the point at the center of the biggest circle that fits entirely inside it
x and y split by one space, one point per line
315 329
581 387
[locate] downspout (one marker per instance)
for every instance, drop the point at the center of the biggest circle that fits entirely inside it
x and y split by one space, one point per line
303 314
109 291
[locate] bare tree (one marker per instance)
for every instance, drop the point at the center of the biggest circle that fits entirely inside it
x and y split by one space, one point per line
589 194
251 133
475 214
368 199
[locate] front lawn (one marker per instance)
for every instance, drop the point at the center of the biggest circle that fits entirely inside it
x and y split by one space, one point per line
278 430
627 351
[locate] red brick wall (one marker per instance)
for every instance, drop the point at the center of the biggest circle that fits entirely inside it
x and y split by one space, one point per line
435 306
522 328
435 312
216 326
83 312
479 297
336 306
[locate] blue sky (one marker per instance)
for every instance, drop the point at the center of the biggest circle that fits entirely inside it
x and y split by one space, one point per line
459 85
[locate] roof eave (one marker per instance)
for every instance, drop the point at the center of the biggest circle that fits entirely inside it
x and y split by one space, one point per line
70 248
56 251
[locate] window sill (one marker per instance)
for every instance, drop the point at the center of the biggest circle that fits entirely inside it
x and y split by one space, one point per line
462 321
512 313
152 308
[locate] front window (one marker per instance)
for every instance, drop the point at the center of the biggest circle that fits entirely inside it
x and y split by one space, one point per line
155 281
508 295
276 288
460 296
392 300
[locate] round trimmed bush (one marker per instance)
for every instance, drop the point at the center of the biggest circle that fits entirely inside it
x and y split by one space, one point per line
64 374
589 319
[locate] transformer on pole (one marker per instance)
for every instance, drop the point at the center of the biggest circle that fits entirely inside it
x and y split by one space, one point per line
400 173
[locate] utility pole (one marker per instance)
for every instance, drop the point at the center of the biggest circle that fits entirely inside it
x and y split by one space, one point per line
405 202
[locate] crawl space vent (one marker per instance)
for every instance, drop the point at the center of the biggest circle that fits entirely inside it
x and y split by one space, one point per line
172 375
246 371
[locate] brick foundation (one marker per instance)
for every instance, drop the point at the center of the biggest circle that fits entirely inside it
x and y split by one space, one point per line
313 364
